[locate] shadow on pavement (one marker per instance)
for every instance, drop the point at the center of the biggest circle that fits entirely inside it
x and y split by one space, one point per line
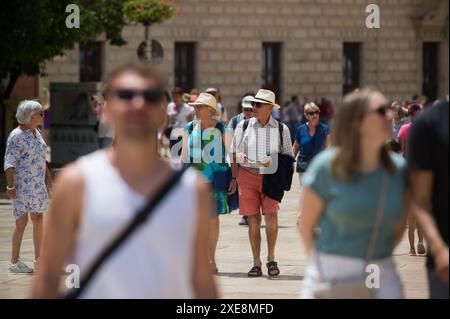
244 275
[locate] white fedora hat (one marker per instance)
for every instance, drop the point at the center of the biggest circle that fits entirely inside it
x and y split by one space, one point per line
208 100
265 96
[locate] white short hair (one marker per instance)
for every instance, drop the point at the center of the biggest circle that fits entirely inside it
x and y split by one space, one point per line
26 110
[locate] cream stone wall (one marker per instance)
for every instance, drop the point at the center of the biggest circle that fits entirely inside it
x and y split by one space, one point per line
229 36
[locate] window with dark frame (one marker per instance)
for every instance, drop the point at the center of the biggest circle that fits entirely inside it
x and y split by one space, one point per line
351 67
91 61
185 65
271 67
430 69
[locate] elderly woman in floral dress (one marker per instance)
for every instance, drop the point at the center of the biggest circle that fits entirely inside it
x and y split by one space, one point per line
28 179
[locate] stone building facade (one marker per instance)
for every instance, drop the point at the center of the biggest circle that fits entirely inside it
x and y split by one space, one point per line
308 45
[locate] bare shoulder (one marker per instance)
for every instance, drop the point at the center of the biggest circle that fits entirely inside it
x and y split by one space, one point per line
68 195
69 188
71 178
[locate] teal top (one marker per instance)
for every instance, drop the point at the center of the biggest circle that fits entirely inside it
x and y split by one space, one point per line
350 207
206 153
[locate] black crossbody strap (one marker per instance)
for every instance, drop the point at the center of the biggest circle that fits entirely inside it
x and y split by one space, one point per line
138 220
280 130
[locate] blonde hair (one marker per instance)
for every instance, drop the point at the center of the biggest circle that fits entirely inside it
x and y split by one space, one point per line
346 139
311 106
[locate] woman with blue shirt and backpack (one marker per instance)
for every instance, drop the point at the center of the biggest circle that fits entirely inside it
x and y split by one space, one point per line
355 193
206 143
310 138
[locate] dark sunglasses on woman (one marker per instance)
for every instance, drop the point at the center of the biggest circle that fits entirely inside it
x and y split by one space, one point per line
382 110
149 95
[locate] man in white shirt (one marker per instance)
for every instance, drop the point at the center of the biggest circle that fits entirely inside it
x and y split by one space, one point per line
251 148
180 114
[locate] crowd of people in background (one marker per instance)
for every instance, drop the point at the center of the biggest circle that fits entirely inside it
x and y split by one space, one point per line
368 168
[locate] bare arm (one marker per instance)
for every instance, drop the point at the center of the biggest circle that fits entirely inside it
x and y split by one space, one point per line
10 182
422 184
10 176
311 207
61 224
295 148
228 138
227 141
48 177
184 150
203 280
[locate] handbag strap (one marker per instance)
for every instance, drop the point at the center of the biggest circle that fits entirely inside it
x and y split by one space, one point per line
378 218
139 219
375 229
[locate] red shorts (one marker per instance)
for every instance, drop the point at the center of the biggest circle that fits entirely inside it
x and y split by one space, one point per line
251 199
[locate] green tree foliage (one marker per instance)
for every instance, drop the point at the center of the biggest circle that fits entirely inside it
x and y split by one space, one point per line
148 11
34 31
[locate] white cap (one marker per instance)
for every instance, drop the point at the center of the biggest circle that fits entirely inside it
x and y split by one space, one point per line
247 102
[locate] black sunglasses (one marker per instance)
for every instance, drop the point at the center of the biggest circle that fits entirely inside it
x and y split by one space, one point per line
382 110
313 113
258 104
149 95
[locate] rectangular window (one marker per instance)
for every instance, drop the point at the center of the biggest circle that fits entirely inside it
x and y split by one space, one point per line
91 62
271 67
185 65
351 67
430 69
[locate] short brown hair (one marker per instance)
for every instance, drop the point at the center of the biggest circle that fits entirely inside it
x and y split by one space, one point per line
177 91
143 71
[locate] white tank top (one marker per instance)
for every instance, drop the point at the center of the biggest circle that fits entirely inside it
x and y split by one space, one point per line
156 261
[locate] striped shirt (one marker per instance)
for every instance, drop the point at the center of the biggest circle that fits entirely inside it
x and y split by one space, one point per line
258 142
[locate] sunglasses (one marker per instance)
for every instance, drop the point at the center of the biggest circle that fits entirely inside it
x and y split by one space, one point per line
247 109
258 104
382 110
149 95
313 113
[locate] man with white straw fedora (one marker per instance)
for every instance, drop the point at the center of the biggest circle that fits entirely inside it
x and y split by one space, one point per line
206 143
254 142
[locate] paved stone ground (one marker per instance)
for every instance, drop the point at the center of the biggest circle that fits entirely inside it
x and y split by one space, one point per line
233 259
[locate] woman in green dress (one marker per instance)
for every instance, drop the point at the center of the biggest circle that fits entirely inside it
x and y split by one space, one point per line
205 147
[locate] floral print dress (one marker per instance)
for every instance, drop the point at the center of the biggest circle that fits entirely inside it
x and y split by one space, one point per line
197 152
25 152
